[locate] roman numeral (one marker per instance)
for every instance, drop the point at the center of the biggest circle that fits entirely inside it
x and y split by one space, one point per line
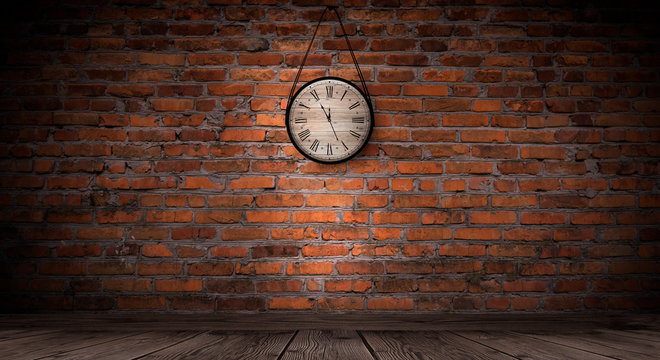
328 90
345 147
358 120
329 149
301 121
342 97
357 103
315 145
356 134
303 135
305 106
315 95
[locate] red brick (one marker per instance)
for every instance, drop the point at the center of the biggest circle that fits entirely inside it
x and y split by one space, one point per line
610 201
329 200
291 303
230 89
539 185
309 268
262 182
259 268
492 217
389 303
342 303
128 285
562 303
580 268
223 251
141 302
444 75
233 303
398 104
267 216
244 233
280 286
227 286
156 251
260 59
160 269
314 217
210 269
393 44
395 218
543 218
347 285
462 250
395 75
447 105
178 285
345 233
415 201
324 250
591 218
364 267
111 268
172 104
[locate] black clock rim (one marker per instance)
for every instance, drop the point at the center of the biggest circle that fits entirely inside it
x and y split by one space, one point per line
288 126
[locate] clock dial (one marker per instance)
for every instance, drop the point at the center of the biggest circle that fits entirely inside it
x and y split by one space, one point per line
329 120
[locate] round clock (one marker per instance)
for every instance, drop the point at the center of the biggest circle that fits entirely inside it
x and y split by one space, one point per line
329 120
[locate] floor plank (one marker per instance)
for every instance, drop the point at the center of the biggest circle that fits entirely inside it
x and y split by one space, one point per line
638 334
13 334
133 346
327 344
606 344
227 345
54 343
523 347
400 345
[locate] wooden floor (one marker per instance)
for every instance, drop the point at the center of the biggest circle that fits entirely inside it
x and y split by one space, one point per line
350 336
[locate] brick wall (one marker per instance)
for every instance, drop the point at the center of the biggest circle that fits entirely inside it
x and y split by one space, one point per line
513 165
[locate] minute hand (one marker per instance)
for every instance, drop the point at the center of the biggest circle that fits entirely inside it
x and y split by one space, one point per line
330 121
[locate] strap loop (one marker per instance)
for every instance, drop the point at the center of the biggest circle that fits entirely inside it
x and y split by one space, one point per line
348 44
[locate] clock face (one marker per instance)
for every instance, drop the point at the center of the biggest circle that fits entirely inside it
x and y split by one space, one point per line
329 120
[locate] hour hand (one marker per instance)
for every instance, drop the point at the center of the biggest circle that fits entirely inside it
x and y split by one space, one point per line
324 112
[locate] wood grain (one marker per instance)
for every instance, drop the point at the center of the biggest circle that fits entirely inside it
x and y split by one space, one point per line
327 344
79 336
13 334
227 345
132 346
56 343
400 345
526 347
638 334
608 344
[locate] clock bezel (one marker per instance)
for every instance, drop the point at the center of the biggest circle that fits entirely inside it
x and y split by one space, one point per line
288 126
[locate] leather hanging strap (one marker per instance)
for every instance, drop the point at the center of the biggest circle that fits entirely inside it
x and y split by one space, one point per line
348 44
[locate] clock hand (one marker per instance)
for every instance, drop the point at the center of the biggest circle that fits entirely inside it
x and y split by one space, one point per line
330 121
325 113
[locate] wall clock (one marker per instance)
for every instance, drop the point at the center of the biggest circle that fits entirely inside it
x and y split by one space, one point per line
329 119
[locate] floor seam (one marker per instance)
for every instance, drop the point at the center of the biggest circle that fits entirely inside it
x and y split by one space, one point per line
366 343
286 347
